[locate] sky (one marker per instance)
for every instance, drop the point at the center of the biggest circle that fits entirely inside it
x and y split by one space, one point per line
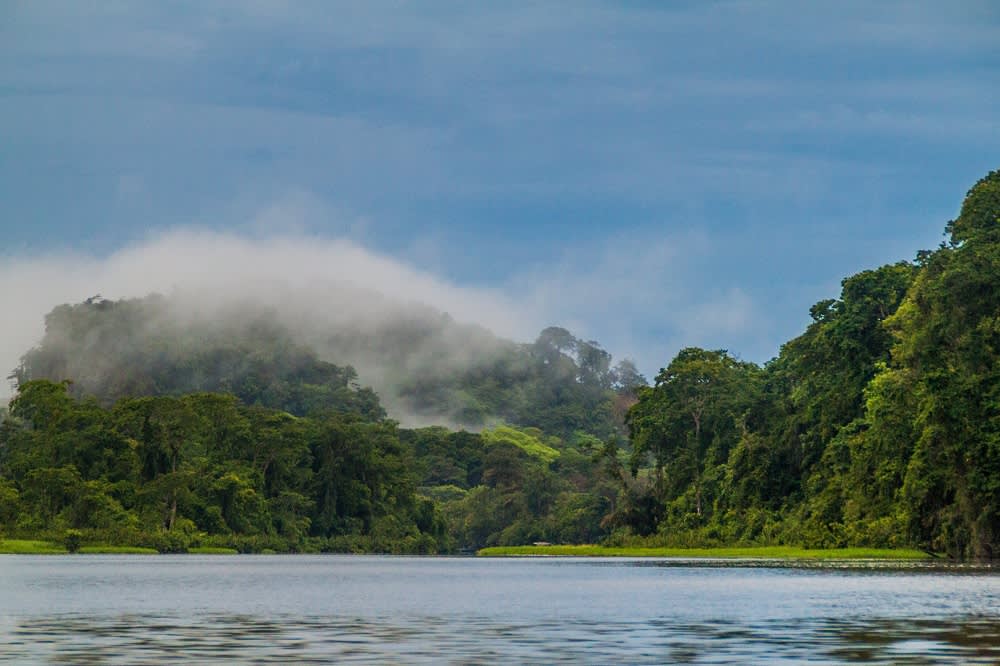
651 175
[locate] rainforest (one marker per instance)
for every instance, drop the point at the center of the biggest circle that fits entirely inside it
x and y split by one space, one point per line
149 423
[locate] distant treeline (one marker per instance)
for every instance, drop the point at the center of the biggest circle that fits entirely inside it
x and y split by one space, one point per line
879 426
204 469
222 430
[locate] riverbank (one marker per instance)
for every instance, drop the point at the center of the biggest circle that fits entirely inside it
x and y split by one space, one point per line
764 552
40 547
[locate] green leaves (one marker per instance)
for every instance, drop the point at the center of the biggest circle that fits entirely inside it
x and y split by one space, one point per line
878 426
527 439
203 464
980 212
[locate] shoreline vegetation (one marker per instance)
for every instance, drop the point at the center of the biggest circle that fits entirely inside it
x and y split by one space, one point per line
42 547
751 552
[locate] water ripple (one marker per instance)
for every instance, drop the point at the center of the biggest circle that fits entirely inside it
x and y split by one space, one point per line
219 638
306 609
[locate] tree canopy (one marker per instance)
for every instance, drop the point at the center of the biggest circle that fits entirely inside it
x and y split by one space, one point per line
878 425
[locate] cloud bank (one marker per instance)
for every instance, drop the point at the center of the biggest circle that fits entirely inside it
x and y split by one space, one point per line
214 268
649 176
602 291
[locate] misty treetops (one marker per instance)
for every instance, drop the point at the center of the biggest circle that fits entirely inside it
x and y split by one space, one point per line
145 423
879 425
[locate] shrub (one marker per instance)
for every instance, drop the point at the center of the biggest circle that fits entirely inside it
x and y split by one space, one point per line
72 540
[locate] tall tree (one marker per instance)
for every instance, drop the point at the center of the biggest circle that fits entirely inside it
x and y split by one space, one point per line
689 420
948 354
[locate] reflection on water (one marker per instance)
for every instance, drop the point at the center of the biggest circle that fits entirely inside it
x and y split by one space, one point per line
129 639
303 609
935 566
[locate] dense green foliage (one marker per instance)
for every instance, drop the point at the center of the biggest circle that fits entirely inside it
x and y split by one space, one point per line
559 384
228 430
170 472
755 552
877 427
203 469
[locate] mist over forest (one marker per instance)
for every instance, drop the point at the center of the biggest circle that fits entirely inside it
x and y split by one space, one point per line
327 417
311 283
426 368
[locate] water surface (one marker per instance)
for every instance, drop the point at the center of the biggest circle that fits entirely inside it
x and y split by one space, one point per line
318 609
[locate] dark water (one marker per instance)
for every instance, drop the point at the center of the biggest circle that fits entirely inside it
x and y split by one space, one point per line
305 609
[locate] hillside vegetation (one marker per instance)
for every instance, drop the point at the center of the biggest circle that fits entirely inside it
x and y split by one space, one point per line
877 427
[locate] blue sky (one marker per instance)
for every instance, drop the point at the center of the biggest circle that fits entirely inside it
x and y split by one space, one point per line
651 175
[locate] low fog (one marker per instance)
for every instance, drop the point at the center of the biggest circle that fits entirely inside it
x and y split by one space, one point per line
339 298
332 295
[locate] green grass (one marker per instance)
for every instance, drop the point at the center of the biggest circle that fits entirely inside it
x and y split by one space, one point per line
38 547
770 552
30 547
105 549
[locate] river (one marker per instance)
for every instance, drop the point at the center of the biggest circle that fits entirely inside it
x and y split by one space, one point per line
316 609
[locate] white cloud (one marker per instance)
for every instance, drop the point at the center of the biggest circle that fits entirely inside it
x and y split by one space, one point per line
634 295
645 296
220 266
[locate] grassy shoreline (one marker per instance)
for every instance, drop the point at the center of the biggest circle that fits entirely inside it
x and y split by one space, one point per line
31 547
42 547
761 552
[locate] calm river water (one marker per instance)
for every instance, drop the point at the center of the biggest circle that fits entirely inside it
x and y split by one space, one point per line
318 609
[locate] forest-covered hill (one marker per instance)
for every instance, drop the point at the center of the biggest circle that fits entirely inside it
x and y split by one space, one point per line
879 425
425 367
156 421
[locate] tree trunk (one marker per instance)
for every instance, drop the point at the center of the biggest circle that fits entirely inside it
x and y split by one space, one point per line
173 511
